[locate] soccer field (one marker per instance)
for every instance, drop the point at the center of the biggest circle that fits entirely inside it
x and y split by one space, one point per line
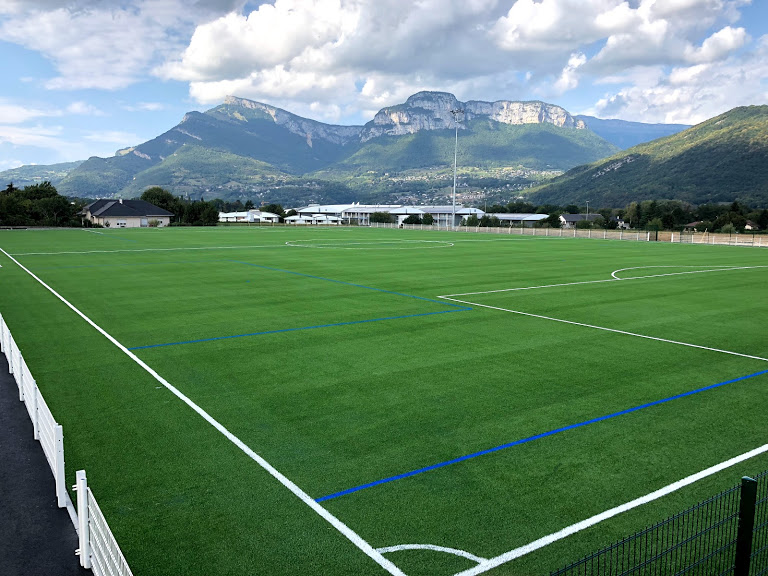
372 401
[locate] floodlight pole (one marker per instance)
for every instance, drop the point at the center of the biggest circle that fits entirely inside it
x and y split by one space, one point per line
587 210
455 113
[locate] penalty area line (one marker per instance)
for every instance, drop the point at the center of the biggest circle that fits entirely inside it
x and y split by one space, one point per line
614 330
613 278
303 496
491 563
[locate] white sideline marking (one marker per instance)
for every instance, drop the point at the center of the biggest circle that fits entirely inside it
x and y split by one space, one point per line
143 250
614 278
486 565
454 551
355 245
94 232
604 328
303 496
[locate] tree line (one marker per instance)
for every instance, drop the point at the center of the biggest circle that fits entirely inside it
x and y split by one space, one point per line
646 215
38 205
41 205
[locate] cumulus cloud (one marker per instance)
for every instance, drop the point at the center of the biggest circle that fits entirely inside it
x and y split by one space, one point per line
11 113
10 163
342 60
144 107
84 109
330 56
691 94
103 44
41 136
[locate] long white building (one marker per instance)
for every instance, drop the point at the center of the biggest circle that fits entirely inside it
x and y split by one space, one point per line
357 213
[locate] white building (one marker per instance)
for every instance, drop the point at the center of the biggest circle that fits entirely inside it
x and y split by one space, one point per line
249 216
361 213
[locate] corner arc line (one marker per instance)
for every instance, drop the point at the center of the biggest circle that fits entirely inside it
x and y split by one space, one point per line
434 548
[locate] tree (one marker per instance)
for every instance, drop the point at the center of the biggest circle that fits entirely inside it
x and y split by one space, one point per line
249 205
275 209
553 220
162 198
633 215
428 219
40 191
290 213
382 217
762 220
655 224
472 220
10 189
412 219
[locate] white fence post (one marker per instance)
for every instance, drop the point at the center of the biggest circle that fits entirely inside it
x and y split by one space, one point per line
61 487
84 538
36 416
10 354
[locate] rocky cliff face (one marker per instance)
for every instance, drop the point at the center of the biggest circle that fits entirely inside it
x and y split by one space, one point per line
422 111
432 111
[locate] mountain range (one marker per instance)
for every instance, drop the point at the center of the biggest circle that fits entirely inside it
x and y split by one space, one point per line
251 150
724 159
246 149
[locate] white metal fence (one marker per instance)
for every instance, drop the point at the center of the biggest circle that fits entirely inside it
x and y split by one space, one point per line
745 239
98 548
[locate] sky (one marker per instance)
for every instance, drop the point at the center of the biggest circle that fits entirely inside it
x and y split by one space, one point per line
85 78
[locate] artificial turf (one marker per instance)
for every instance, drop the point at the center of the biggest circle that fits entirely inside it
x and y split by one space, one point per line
329 353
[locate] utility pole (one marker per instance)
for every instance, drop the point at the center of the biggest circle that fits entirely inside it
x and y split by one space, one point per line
455 113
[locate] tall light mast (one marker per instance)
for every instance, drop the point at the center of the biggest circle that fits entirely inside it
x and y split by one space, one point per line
455 113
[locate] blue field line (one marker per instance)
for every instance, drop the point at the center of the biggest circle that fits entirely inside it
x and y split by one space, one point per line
455 308
296 329
532 438
352 284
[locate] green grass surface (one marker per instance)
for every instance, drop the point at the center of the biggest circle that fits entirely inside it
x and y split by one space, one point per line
356 371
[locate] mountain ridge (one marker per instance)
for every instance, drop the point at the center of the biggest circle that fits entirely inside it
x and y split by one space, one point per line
723 159
247 148
244 148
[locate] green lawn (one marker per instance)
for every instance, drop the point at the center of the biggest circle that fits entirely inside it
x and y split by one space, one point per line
330 353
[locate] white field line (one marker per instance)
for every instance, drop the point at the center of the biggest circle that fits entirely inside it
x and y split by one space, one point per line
359 245
303 496
144 250
613 279
614 330
454 551
589 522
713 269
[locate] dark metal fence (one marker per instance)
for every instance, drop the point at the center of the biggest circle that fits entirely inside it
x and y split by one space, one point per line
725 534
759 565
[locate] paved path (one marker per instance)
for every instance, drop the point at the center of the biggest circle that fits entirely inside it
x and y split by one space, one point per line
36 537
